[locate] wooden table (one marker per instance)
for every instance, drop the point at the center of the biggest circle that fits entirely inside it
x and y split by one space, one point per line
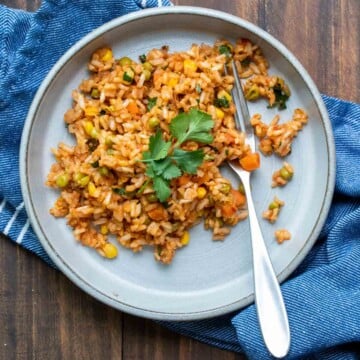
44 316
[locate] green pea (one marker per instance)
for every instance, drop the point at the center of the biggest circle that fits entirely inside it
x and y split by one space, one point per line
241 189
124 61
153 122
225 189
104 171
109 141
253 93
273 205
286 174
95 93
152 198
62 180
147 66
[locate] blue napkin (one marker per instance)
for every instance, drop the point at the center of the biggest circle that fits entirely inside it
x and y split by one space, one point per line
322 296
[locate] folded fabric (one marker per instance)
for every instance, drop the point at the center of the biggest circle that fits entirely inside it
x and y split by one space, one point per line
322 296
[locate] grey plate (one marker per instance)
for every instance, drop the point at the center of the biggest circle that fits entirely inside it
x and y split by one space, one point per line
206 278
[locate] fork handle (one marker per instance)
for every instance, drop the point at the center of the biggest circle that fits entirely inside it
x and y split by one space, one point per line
269 302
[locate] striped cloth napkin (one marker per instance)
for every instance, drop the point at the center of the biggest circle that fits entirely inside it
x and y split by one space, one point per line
322 296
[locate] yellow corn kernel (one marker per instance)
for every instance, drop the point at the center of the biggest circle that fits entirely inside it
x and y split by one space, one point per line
91 110
91 188
109 109
90 130
219 113
224 94
107 55
185 238
201 192
109 141
123 162
173 81
88 127
189 66
104 229
110 251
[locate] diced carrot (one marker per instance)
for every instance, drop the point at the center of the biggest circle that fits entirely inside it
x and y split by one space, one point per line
250 162
202 179
133 108
238 198
228 210
158 214
183 180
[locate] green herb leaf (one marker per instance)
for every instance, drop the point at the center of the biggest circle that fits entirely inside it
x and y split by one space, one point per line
95 164
143 187
246 62
161 187
225 49
127 77
188 161
150 170
172 171
142 58
119 191
158 148
165 168
194 125
151 103
280 97
222 102
198 88
161 166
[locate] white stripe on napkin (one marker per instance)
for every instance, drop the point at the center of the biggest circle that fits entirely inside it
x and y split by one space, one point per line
13 218
2 205
23 232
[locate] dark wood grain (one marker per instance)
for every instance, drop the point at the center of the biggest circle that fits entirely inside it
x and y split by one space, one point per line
44 316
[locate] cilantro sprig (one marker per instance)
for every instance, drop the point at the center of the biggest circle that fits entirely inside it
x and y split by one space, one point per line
194 125
166 161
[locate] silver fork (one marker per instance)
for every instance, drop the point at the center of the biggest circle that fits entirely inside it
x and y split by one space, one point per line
269 302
